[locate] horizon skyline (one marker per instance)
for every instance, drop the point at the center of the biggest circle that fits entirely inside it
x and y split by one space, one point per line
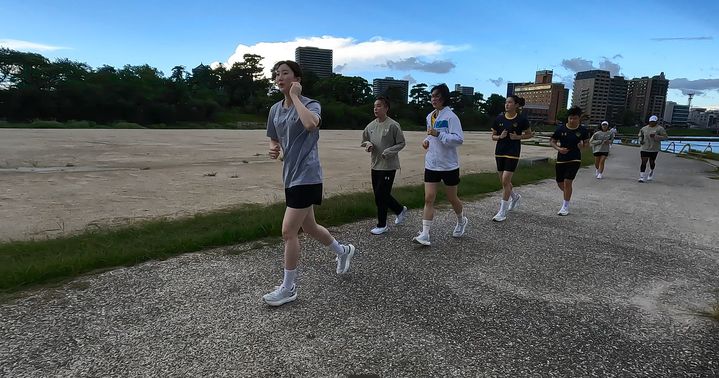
484 54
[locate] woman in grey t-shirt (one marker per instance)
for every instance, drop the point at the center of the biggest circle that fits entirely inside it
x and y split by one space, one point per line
293 127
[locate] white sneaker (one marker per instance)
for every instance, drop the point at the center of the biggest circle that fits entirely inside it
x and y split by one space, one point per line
501 216
422 239
343 259
651 176
564 211
379 230
641 178
280 296
599 176
401 216
459 228
514 202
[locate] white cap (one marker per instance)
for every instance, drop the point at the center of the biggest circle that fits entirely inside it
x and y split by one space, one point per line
605 123
653 119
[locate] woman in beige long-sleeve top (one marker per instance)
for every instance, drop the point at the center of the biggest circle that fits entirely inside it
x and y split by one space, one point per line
600 142
383 138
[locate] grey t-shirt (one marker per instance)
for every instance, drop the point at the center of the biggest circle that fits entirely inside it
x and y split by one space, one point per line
301 164
649 144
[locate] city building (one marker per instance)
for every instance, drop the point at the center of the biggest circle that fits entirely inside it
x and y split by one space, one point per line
703 118
676 114
511 86
617 100
316 60
591 93
646 96
465 91
380 87
543 99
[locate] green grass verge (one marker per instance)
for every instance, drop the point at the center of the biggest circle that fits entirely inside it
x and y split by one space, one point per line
28 263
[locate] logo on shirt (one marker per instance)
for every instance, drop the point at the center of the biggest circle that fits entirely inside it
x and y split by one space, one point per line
441 124
578 134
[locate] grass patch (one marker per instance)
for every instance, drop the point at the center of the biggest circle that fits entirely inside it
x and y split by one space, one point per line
28 263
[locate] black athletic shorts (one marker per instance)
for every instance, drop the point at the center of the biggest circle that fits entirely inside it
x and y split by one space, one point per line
303 196
651 155
567 171
506 164
450 178
601 154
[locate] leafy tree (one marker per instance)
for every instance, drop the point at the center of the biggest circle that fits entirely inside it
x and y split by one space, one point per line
494 105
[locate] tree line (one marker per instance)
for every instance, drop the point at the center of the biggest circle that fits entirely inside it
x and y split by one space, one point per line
34 88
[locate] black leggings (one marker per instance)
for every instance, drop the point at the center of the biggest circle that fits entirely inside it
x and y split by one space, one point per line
382 186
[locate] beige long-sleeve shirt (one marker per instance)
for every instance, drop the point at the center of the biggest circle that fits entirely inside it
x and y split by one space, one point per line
387 140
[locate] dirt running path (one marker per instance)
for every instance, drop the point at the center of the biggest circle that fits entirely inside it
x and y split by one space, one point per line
54 182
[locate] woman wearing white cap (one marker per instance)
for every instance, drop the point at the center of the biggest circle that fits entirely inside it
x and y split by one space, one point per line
600 141
650 140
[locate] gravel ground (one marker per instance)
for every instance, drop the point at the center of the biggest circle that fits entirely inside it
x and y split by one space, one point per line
611 290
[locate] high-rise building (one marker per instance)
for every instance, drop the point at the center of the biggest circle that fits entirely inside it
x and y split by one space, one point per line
646 96
316 60
465 91
617 101
543 77
591 93
543 99
676 114
511 86
703 118
380 87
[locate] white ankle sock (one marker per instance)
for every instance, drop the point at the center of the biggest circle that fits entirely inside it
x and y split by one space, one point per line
336 247
289 279
503 205
460 217
565 204
426 225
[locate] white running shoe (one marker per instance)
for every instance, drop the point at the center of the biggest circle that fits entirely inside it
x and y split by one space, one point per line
501 216
651 175
401 216
460 227
280 296
379 230
422 239
599 176
514 202
641 177
343 259
564 211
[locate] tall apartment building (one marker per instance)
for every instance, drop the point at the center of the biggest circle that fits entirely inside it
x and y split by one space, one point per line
316 60
511 86
380 86
591 93
676 114
465 91
543 99
647 96
617 101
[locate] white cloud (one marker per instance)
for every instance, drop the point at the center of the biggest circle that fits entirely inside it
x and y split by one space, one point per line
348 54
15 44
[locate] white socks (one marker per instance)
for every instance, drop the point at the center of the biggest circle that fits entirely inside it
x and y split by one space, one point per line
336 247
460 217
503 206
426 225
565 204
289 279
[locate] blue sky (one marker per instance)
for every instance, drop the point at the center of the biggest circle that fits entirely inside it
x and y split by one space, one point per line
476 43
